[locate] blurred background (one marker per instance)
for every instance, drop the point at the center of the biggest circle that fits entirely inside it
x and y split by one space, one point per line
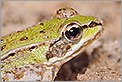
18 15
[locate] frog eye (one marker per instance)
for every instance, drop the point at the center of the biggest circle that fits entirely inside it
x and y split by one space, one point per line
73 32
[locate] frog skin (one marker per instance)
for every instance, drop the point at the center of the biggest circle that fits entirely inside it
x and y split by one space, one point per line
38 52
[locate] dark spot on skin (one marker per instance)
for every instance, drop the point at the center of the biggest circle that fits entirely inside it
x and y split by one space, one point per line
27 67
35 59
42 31
110 56
31 48
41 23
7 71
15 68
59 10
20 68
41 44
65 16
68 47
11 54
49 55
119 60
3 47
2 66
72 13
38 80
63 8
76 12
3 79
1 40
23 38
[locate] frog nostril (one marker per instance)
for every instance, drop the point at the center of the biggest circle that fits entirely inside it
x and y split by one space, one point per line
92 24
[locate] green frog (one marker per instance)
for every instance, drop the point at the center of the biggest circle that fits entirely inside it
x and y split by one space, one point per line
38 52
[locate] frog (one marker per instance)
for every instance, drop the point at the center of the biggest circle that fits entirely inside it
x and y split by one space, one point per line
37 53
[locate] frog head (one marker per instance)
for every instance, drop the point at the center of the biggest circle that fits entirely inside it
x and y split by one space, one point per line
75 34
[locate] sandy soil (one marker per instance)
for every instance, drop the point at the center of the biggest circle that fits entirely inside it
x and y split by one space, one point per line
100 61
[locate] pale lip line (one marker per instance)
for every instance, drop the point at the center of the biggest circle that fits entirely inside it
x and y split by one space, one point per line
70 53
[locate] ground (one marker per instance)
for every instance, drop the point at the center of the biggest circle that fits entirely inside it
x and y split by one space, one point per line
100 61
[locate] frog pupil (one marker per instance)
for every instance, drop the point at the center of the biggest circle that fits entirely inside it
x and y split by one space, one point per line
74 31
